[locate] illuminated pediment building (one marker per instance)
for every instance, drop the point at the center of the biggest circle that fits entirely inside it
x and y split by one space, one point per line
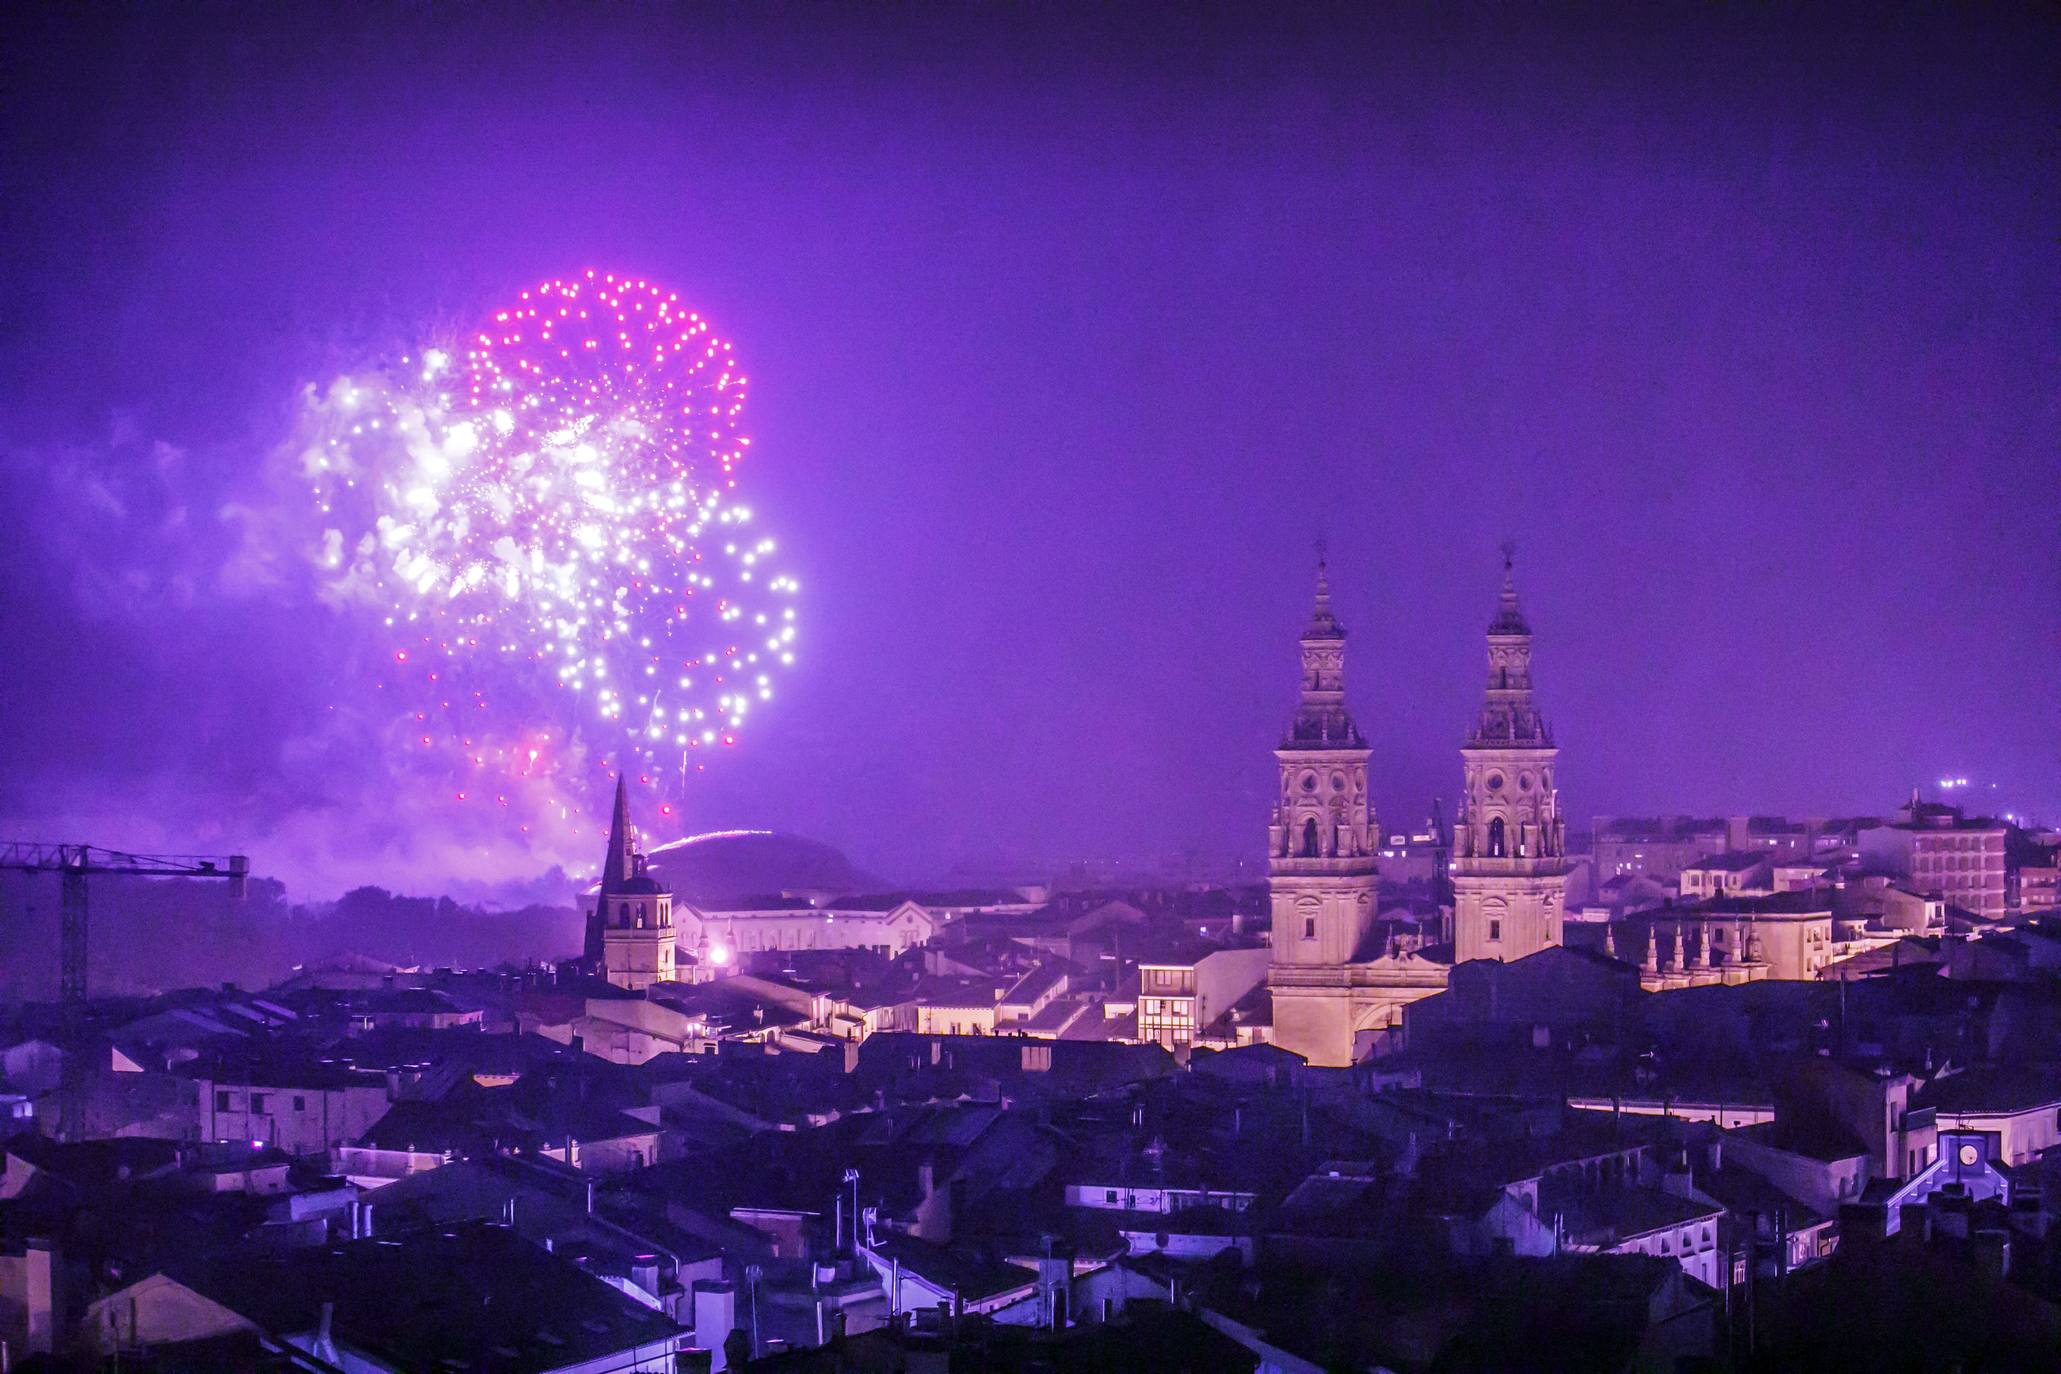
1340 975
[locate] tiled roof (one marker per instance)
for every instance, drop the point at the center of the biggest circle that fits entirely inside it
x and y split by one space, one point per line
972 1276
471 1297
2014 1089
1611 1215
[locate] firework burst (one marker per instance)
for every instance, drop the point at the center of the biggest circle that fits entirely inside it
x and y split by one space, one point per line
546 523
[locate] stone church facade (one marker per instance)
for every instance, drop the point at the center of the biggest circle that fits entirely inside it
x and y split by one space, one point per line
1335 976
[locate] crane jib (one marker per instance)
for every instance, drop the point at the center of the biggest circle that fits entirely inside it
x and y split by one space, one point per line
74 862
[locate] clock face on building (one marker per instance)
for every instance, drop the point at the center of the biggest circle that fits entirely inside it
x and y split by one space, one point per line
1968 1155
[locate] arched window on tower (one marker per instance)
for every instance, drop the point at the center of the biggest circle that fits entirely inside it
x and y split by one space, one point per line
1498 846
1309 838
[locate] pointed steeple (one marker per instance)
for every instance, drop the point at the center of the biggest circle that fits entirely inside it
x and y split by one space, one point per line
1321 720
618 870
1508 713
620 865
1509 615
1323 624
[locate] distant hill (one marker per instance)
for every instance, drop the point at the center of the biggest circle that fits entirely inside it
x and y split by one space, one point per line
743 863
148 935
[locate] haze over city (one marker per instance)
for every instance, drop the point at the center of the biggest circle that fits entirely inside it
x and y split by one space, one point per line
1069 335
791 688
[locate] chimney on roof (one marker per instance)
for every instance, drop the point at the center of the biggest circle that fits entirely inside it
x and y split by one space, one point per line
44 1303
1991 1247
324 1347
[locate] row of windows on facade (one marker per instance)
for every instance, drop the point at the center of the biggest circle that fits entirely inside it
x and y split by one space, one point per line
1179 1199
1495 929
777 940
1689 1239
259 1102
1498 846
635 918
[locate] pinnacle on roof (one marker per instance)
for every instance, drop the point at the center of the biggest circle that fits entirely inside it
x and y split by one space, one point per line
1323 624
1509 615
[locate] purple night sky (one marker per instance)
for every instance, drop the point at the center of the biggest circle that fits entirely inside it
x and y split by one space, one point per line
1069 334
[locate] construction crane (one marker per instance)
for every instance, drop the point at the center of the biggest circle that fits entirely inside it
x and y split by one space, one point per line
73 862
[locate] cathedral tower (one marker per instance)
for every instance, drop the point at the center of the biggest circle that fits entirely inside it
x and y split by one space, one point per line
1322 844
1509 846
630 937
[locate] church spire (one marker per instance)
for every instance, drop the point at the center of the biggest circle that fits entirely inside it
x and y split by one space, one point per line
1321 720
1509 715
1323 624
1509 615
617 869
620 865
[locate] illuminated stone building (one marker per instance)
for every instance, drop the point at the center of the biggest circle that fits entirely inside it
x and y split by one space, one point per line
1333 973
1510 845
631 926
1340 975
1938 848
